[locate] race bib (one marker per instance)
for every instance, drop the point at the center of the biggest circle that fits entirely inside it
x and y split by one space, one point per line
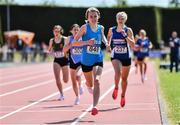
93 50
77 51
58 54
144 50
120 49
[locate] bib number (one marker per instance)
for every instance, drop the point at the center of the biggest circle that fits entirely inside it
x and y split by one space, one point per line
93 49
77 51
58 54
120 49
144 50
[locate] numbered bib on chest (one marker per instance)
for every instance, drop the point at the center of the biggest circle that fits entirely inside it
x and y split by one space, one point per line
93 50
144 50
120 49
58 54
77 51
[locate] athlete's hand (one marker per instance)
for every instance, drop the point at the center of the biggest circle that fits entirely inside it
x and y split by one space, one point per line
124 34
49 53
91 42
108 48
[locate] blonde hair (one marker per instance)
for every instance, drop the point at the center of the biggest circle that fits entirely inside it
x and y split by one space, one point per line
123 15
59 27
91 9
143 32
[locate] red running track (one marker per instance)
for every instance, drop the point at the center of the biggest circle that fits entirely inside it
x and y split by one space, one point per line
28 95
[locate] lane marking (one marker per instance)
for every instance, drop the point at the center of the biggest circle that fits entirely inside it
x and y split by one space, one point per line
26 88
100 99
23 74
34 103
42 99
24 79
79 110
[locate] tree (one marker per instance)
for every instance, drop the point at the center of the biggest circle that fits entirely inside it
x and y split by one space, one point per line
175 3
121 2
7 2
49 3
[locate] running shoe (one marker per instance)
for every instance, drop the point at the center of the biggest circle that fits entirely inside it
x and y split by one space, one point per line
123 102
90 90
61 98
77 100
94 111
81 90
115 93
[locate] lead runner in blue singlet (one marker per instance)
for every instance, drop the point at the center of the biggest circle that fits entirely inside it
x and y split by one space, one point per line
92 35
121 39
75 54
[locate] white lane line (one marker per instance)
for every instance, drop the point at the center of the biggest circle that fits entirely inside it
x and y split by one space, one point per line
91 106
43 99
24 79
23 74
79 110
26 88
20 71
29 87
83 104
34 103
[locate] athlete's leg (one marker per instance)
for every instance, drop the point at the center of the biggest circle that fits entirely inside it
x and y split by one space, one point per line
96 94
141 70
74 82
97 75
125 74
117 70
78 78
56 68
65 72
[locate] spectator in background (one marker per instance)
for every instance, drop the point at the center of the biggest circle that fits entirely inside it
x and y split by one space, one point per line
174 43
43 53
25 52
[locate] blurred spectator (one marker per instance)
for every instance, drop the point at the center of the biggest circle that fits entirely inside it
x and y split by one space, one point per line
35 51
10 54
25 53
164 51
44 48
4 52
174 43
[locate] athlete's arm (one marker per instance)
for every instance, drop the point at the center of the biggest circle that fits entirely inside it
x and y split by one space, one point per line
81 32
109 37
130 38
67 45
150 45
104 38
50 45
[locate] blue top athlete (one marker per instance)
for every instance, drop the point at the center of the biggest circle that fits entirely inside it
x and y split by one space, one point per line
75 53
143 46
121 39
92 35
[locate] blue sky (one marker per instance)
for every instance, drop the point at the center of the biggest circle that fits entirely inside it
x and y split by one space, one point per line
87 3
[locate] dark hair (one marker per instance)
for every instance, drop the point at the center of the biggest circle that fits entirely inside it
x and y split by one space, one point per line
74 25
59 27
